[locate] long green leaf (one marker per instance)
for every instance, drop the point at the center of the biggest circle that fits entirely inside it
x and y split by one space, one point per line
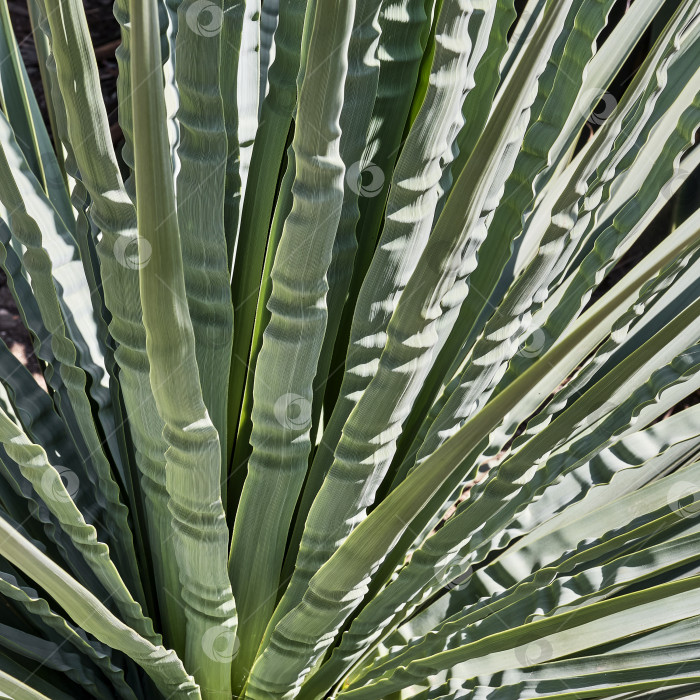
113 213
292 342
162 665
202 154
579 630
423 317
193 456
257 208
411 207
16 690
47 481
403 25
38 607
32 221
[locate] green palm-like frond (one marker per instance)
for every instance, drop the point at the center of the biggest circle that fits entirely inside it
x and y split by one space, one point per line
370 353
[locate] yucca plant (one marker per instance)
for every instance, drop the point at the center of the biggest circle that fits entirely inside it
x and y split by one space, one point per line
367 372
